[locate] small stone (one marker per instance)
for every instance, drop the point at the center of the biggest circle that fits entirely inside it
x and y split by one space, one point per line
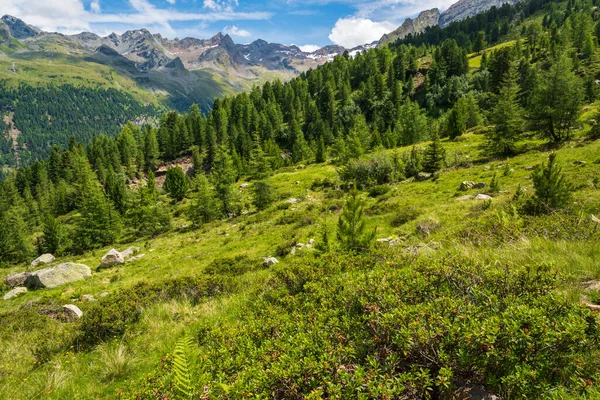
112 258
132 259
293 251
395 242
104 294
88 297
464 198
129 252
297 182
481 196
466 185
293 200
311 241
579 162
43 259
423 176
384 240
300 245
269 261
73 311
15 292
529 168
244 185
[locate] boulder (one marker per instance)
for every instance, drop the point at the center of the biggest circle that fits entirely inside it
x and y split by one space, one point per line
423 176
43 259
72 311
481 196
15 292
112 258
58 275
17 279
269 261
466 185
129 252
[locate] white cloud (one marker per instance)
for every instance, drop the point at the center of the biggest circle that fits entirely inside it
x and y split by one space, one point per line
351 32
95 6
220 5
171 1
309 48
235 31
70 16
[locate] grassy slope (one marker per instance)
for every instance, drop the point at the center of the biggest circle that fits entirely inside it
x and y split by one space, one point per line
187 252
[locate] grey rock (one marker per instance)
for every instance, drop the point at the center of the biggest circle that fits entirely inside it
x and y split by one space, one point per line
58 275
384 240
129 252
529 168
112 258
73 311
293 200
269 261
135 258
15 292
17 279
244 185
311 241
423 176
476 392
481 196
104 294
579 162
43 259
466 185
88 297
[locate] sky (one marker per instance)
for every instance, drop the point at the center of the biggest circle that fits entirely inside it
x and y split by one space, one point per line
309 24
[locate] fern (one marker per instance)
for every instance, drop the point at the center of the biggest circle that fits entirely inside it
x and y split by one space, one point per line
182 366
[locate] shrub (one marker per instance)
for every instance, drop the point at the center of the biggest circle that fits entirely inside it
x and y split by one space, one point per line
378 170
176 183
237 265
378 190
406 214
552 191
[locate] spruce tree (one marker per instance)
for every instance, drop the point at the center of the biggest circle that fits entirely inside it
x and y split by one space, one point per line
259 166
176 183
352 229
557 101
552 191
54 238
223 176
263 195
204 205
507 117
148 216
116 191
434 157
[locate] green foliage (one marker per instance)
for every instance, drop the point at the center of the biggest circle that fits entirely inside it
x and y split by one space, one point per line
204 205
176 183
352 228
557 101
54 238
263 195
552 191
379 169
495 184
181 366
434 157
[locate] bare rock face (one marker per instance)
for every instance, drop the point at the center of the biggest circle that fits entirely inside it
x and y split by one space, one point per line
14 293
58 275
43 259
413 26
112 258
467 8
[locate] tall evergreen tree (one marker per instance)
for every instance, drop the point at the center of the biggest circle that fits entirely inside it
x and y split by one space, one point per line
176 183
352 228
435 155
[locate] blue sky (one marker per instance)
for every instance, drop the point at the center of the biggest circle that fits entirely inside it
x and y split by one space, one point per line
309 23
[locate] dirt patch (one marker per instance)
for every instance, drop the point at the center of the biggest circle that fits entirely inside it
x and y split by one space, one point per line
186 164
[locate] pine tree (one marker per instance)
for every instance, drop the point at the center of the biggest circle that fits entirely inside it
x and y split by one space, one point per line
176 183
507 117
204 205
15 242
352 229
54 239
480 43
495 185
151 151
552 191
435 155
263 195
223 177
116 191
557 101
259 166
321 153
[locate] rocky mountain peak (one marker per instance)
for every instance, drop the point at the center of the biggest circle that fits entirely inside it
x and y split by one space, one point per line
467 8
413 26
18 28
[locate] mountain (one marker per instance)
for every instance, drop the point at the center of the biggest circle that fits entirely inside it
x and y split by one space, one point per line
19 29
413 26
468 8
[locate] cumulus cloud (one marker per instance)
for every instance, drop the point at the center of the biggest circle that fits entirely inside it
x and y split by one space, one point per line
353 31
309 48
220 5
235 31
171 1
95 6
70 16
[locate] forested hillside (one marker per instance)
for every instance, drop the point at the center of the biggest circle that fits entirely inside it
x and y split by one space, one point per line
417 221
47 116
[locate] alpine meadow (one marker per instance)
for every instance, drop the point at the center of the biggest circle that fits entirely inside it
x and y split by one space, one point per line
415 217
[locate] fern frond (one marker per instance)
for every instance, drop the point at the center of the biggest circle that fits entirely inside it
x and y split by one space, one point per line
182 366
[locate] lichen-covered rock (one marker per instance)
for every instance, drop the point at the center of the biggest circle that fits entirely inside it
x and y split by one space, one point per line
130 252
58 275
17 279
423 176
466 185
112 258
43 259
14 293
481 196
73 311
